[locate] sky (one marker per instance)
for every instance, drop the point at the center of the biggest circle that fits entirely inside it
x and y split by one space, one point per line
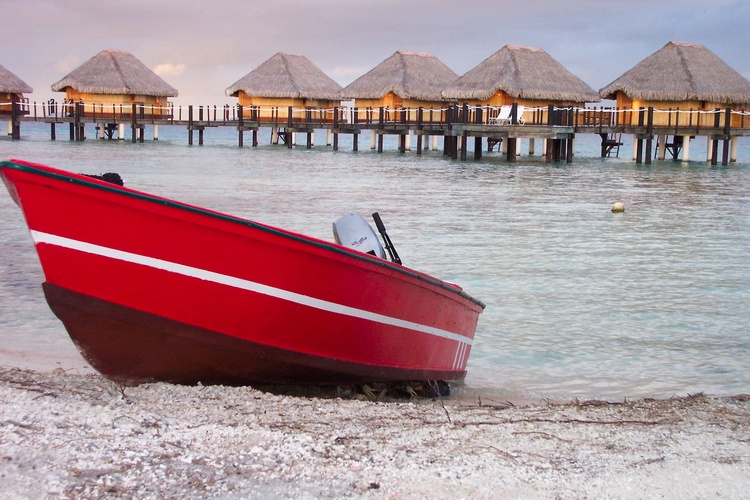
201 47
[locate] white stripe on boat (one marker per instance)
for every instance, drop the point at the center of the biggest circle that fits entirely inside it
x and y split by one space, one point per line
459 359
323 305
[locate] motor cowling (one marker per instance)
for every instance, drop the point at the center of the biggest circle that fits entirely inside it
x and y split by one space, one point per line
353 231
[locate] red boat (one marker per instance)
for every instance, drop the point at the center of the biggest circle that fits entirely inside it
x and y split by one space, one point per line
151 289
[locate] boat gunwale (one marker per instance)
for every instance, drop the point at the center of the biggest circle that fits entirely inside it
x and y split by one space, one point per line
81 179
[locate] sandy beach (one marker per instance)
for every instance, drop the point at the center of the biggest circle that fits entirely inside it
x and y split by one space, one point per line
66 435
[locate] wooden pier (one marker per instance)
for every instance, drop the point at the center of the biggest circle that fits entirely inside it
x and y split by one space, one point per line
556 128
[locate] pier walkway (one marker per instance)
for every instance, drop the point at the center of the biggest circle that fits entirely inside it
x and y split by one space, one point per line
456 124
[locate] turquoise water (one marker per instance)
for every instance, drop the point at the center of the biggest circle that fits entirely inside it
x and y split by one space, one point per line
581 302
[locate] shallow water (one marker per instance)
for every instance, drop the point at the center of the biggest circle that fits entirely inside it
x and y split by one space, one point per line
581 302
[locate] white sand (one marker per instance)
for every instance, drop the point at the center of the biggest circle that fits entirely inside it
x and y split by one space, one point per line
65 435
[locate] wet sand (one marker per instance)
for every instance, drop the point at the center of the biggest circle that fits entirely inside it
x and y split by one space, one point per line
65 435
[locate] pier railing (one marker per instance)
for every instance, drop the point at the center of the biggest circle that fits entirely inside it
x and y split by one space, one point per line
22 107
606 117
586 119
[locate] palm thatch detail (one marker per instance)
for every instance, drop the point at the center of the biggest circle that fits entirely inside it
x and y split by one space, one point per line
681 71
409 75
115 72
11 84
522 73
287 76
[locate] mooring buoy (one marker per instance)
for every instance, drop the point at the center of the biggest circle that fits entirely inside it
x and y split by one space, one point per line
618 207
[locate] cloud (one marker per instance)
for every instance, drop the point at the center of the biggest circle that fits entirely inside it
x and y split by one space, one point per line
349 73
169 69
67 64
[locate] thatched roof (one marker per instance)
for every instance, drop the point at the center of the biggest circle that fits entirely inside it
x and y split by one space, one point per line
681 72
522 73
115 72
409 75
11 84
287 76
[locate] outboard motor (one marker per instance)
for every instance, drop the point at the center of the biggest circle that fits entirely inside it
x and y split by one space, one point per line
353 231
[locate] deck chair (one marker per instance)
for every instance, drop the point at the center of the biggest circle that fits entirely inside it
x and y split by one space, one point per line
503 116
519 116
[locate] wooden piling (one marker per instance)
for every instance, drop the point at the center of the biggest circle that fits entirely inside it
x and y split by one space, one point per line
289 133
402 136
685 148
133 125
449 144
420 127
639 138
74 131
550 147
725 152
712 145
714 139
141 127
649 134
80 124
569 156
240 126
190 125
355 136
727 138
200 127
381 121
335 128
478 119
15 124
661 147
511 155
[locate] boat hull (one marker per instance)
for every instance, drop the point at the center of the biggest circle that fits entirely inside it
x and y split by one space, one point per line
132 346
153 289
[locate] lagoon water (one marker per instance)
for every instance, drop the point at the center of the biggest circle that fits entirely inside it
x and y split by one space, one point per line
581 302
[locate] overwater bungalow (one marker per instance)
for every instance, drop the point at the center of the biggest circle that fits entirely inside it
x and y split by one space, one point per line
284 81
12 89
526 76
404 80
112 81
680 76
